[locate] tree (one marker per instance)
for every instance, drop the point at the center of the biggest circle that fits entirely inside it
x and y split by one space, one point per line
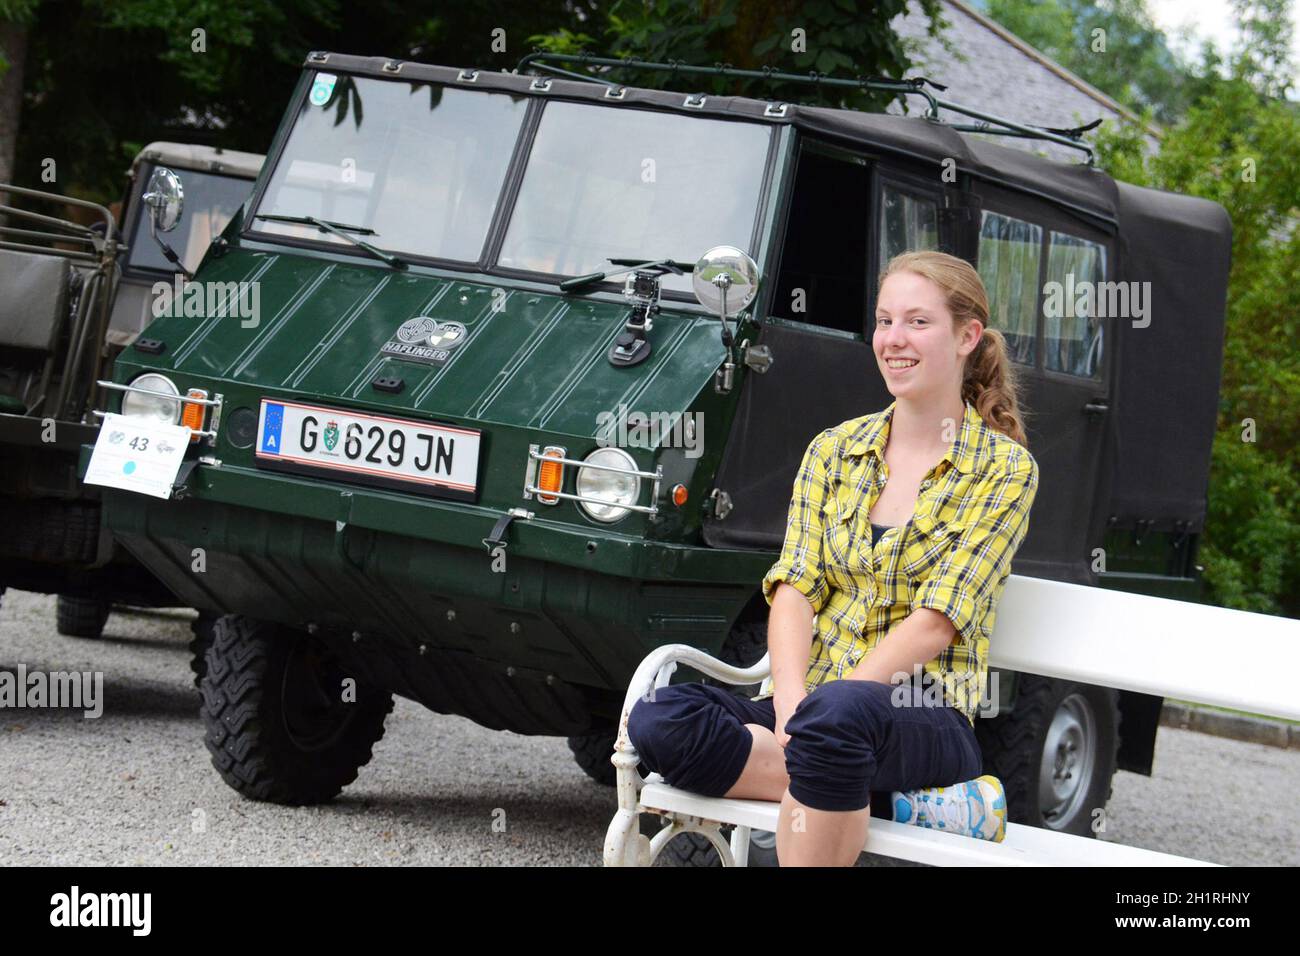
838 37
15 18
1112 45
1236 146
106 77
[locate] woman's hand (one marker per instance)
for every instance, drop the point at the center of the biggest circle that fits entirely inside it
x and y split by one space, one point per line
784 705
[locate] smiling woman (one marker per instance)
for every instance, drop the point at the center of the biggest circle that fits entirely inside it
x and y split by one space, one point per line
944 472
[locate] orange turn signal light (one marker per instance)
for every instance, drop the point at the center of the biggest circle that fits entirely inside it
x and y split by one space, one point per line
192 412
679 495
551 475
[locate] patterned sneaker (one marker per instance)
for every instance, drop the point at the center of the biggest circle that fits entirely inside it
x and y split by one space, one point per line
975 808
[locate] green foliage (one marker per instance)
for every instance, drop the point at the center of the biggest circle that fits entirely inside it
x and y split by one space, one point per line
822 36
1136 66
104 77
1236 146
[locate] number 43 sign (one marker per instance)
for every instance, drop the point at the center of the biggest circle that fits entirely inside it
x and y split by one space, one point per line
137 455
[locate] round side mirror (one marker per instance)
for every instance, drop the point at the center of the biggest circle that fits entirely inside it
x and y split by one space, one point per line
724 274
165 198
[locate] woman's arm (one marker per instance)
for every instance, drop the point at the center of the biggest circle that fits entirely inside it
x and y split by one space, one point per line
796 605
961 592
789 639
912 643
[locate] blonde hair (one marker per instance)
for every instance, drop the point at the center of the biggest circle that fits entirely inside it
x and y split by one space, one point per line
988 379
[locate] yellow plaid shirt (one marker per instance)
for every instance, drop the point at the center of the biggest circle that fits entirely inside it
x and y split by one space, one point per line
954 555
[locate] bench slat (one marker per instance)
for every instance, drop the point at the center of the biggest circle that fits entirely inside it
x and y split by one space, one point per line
1148 644
1023 845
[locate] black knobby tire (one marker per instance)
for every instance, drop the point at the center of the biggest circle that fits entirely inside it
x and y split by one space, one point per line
276 725
81 617
1014 748
201 629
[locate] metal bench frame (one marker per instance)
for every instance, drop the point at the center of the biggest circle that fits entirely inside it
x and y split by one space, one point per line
1093 635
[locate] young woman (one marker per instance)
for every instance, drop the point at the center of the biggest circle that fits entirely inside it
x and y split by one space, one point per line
899 540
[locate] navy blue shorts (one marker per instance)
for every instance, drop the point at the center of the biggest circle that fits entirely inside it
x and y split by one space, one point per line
849 741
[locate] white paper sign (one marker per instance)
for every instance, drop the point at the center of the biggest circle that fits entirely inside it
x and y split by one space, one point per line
137 455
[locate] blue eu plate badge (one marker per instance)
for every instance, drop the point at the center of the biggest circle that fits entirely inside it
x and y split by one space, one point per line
272 426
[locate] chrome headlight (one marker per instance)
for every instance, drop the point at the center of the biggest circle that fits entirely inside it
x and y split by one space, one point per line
615 487
160 404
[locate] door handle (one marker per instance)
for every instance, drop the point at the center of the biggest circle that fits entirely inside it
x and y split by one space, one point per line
1098 406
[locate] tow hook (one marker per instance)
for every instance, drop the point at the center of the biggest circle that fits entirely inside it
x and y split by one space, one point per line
180 487
497 537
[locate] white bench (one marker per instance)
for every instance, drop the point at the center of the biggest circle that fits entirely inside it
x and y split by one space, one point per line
1097 636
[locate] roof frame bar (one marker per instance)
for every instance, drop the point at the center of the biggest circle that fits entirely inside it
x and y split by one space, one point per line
910 86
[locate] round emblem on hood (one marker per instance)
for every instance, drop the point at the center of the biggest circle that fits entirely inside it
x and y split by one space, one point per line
417 330
447 335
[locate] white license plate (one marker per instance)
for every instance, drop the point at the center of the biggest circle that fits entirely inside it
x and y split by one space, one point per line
372 449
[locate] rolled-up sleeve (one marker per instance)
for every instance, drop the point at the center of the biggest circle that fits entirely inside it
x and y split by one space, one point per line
966 583
800 564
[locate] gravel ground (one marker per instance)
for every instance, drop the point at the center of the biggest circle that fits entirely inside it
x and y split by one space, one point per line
136 787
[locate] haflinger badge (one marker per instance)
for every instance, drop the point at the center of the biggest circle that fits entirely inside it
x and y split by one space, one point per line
425 339
137 455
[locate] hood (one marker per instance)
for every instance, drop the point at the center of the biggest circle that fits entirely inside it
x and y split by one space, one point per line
326 330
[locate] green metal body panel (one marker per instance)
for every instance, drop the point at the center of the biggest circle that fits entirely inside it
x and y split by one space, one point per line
578 603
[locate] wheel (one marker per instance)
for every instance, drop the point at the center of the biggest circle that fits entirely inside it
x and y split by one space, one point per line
280 722
201 628
81 617
1055 753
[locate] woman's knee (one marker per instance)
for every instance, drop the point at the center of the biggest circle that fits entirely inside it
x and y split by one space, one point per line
656 722
689 739
842 707
831 753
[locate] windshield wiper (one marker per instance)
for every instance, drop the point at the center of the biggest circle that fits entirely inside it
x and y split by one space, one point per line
666 265
337 229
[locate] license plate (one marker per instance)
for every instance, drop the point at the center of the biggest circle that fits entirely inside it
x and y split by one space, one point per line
389 452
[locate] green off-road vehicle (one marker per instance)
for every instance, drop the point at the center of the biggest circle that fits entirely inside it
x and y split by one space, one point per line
482 446
73 293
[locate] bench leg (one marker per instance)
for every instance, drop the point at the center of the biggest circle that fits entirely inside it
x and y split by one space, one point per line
625 844
740 845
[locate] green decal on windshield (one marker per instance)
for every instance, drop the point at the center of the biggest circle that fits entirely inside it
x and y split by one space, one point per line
322 88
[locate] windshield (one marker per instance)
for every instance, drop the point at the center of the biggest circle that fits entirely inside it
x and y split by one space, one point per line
605 182
421 165
210 201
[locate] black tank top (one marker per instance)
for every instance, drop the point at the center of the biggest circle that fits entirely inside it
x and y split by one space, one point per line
876 531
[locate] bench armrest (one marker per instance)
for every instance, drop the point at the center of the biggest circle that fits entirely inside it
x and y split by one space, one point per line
652 673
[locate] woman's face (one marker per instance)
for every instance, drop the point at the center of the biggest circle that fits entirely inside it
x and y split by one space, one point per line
914 327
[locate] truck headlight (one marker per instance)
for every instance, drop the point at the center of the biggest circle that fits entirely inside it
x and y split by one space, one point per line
613 489
155 400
